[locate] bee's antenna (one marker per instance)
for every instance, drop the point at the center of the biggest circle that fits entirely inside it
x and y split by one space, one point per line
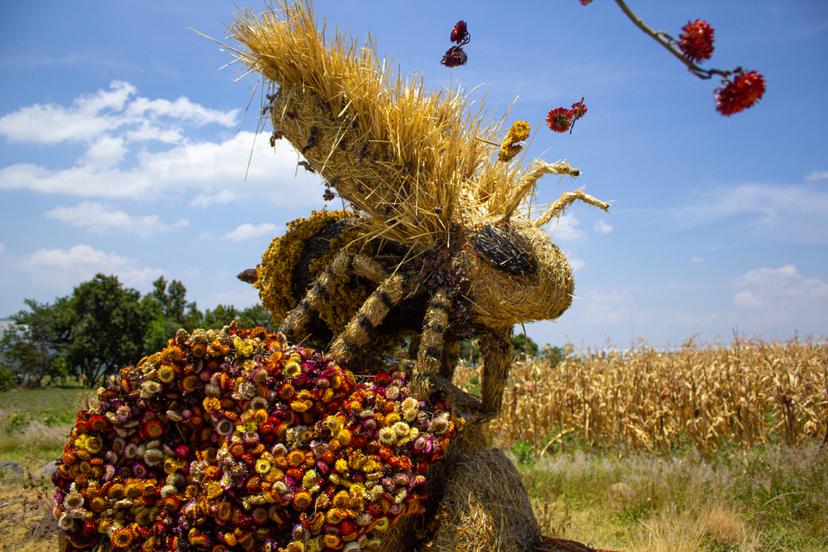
527 183
568 198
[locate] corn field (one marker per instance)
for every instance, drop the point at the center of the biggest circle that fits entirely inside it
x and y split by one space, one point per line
748 394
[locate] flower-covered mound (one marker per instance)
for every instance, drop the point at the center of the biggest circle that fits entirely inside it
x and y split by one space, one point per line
235 440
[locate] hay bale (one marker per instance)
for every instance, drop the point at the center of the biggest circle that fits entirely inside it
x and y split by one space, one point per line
476 502
484 508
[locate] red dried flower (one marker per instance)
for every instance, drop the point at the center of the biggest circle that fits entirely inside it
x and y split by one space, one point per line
696 40
740 93
579 109
586 2
559 119
460 33
454 57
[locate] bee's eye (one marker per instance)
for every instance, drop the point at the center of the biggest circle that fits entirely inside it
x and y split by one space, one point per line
505 249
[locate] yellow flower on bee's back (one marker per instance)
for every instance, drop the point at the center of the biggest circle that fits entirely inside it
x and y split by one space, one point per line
509 148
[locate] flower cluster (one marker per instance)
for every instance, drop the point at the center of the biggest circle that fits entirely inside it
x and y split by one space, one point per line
234 440
738 94
510 147
696 40
561 119
455 55
460 33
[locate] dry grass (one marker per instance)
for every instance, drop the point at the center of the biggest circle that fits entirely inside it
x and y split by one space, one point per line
26 522
746 395
768 498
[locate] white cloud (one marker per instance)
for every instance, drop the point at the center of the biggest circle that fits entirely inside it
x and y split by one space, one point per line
106 111
782 297
817 175
56 267
210 169
604 308
574 262
777 287
696 259
104 153
51 123
249 231
181 109
564 228
602 227
147 132
776 212
219 198
99 218
747 299
116 123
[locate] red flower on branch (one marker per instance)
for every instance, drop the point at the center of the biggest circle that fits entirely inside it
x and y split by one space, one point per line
460 33
454 57
560 119
696 40
740 93
579 109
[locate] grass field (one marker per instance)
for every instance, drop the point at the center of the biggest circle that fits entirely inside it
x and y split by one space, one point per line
762 489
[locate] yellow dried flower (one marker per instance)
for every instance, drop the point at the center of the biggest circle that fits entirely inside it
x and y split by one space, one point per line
509 148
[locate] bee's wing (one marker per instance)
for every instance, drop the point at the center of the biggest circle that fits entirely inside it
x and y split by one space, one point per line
397 153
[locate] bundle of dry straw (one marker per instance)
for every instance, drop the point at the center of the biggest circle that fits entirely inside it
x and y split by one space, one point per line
414 162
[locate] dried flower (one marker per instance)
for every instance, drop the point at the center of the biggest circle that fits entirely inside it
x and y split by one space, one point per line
559 119
740 93
586 2
460 33
696 40
509 148
259 424
579 109
454 57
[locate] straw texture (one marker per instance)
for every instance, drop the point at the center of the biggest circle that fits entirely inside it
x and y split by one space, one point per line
414 162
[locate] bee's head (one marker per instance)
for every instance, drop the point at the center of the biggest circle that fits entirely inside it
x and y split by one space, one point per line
517 274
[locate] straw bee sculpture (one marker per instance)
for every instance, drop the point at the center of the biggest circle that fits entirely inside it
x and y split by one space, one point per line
440 246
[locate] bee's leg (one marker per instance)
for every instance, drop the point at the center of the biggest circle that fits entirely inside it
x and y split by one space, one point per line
496 349
430 352
337 273
371 314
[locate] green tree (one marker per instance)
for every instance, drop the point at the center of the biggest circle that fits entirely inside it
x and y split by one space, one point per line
257 315
222 315
33 348
522 345
552 355
167 309
108 327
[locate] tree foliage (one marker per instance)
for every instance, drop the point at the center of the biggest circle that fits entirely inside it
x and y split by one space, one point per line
167 309
108 327
103 326
33 347
523 346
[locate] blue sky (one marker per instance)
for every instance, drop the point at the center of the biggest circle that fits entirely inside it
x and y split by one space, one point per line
123 148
